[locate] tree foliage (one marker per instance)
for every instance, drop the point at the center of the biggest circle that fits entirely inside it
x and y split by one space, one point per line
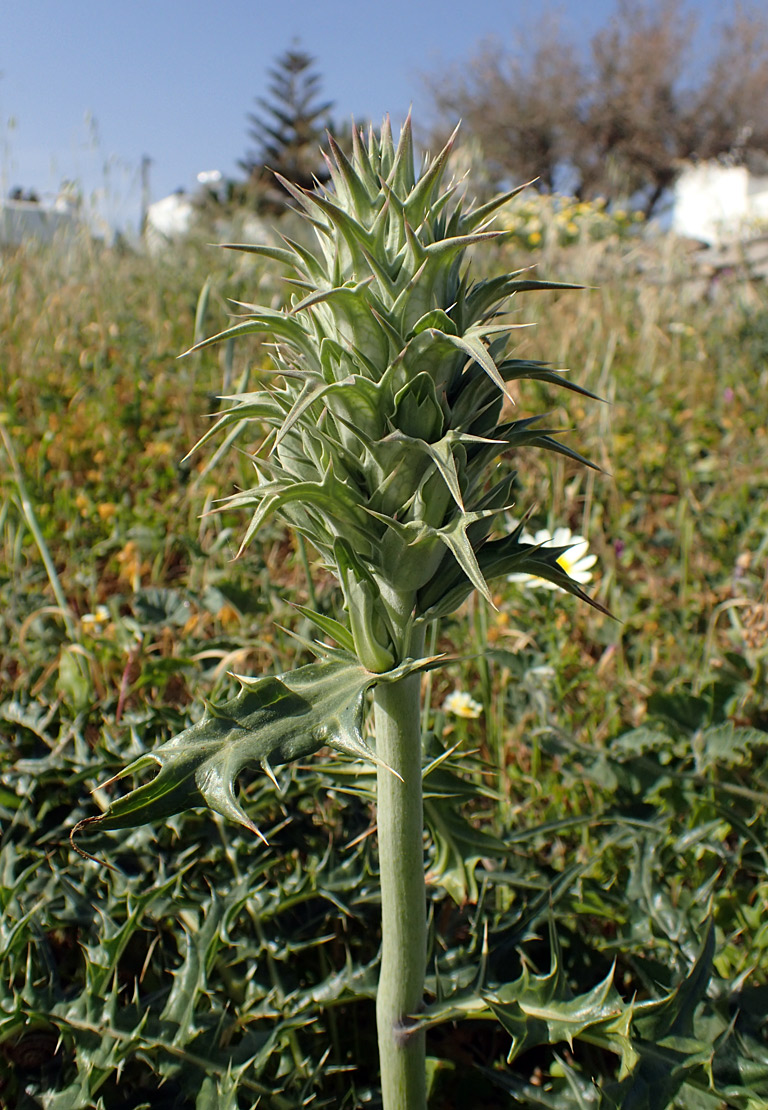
619 118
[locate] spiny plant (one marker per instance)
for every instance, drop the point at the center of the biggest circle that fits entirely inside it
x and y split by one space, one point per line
387 435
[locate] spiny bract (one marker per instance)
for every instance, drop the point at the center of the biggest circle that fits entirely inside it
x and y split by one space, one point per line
386 431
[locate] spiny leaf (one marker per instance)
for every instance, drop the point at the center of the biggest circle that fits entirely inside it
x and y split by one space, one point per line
471 345
273 720
330 627
420 198
459 846
496 558
403 177
539 1009
477 216
346 179
277 254
270 323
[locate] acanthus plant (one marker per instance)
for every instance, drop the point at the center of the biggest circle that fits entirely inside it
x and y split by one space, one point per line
385 437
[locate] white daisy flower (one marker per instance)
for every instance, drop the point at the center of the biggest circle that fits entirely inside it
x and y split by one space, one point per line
95 622
575 561
462 704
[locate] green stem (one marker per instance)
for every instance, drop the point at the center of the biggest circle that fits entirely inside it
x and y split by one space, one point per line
403 893
25 501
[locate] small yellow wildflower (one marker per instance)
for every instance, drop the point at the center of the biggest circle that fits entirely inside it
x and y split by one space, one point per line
131 565
94 622
228 616
159 449
462 704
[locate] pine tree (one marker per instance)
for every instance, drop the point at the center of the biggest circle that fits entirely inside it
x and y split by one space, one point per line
289 133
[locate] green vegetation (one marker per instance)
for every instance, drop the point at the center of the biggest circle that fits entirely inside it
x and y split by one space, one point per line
595 830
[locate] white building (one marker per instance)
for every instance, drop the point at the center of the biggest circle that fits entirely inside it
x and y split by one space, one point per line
169 220
717 203
21 220
176 217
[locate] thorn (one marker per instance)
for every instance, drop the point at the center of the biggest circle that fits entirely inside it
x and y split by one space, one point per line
81 851
257 831
265 766
358 839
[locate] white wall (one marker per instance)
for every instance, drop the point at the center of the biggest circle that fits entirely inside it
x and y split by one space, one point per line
168 220
173 218
714 203
24 219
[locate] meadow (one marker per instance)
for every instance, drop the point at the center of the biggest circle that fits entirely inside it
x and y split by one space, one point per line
597 821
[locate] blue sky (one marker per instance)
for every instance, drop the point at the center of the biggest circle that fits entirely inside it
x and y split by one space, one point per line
87 88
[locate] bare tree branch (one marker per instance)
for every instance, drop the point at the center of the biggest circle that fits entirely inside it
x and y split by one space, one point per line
620 118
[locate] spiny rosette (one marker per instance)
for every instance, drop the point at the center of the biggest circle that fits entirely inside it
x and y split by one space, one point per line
385 421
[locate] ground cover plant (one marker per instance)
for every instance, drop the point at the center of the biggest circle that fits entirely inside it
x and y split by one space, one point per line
613 807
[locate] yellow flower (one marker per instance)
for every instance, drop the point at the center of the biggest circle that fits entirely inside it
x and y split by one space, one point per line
228 615
462 704
94 622
131 565
159 449
534 238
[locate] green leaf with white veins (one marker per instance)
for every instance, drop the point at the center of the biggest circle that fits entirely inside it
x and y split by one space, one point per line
273 720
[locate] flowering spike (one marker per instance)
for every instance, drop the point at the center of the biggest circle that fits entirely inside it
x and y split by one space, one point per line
387 427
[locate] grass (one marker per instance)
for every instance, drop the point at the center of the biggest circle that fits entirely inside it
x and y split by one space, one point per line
619 782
